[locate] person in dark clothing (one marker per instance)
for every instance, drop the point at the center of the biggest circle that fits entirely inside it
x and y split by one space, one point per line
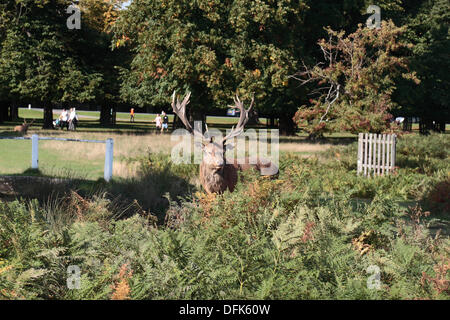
165 122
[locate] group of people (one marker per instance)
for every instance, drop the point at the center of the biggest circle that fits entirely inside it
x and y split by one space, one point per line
162 122
67 119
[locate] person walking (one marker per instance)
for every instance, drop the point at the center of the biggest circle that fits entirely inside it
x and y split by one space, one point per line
64 119
165 122
132 115
158 122
73 119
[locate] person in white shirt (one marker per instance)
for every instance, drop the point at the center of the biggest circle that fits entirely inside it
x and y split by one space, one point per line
73 119
63 119
158 121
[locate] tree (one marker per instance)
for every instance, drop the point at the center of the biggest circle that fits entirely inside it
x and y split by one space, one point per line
428 31
40 58
213 49
353 87
100 17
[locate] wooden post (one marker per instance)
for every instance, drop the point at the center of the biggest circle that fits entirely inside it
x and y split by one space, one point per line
394 138
108 159
369 162
379 154
360 152
366 139
34 151
374 154
383 157
388 153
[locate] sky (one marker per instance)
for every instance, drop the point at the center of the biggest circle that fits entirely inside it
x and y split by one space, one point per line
126 4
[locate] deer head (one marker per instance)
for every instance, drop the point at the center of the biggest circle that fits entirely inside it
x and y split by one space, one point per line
213 151
23 128
214 170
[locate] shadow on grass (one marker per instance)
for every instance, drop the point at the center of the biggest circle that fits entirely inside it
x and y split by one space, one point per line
148 194
10 134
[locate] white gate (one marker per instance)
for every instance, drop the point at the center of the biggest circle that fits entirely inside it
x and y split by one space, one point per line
376 153
35 151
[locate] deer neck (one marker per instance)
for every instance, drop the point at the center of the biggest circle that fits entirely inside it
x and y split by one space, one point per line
211 179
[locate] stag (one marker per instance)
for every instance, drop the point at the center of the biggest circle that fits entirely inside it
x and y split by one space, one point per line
218 173
23 128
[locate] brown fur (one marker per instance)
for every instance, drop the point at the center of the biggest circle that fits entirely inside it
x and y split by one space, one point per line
215 179
216 173
23 128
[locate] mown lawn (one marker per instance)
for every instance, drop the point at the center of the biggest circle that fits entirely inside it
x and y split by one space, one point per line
124 116
16 159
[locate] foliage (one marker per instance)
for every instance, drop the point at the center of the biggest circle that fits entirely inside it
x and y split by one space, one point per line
356 82
211 48
44 62
428 30
305 235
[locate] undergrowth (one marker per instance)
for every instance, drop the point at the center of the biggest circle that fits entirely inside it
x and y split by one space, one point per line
312 233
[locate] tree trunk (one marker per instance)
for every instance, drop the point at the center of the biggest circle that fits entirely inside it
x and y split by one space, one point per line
105 114
3 111
253 118
440 126
198 116
48 116
287 125
13 111
113 114
176 122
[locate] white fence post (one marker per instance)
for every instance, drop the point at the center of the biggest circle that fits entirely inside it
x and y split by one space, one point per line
376 154
34 151
108 159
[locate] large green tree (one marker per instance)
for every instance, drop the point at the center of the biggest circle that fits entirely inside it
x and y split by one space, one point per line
428 30
99 17
214 49
40 60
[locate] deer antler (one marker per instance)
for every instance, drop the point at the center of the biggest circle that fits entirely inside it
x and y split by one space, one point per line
243 119
180 111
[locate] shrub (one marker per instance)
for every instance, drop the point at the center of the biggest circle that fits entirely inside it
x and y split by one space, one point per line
312 233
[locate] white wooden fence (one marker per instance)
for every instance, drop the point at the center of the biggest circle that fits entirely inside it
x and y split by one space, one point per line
35 151
376 153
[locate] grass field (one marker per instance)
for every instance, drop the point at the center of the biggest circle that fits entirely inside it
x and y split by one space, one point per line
140 117
124 116
86 160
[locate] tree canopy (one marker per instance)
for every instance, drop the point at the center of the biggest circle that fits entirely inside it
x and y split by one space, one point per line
352 88
44 62
211 48
216 49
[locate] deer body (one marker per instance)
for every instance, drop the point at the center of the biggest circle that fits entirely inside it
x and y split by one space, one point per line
23 128
217 173
219 179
